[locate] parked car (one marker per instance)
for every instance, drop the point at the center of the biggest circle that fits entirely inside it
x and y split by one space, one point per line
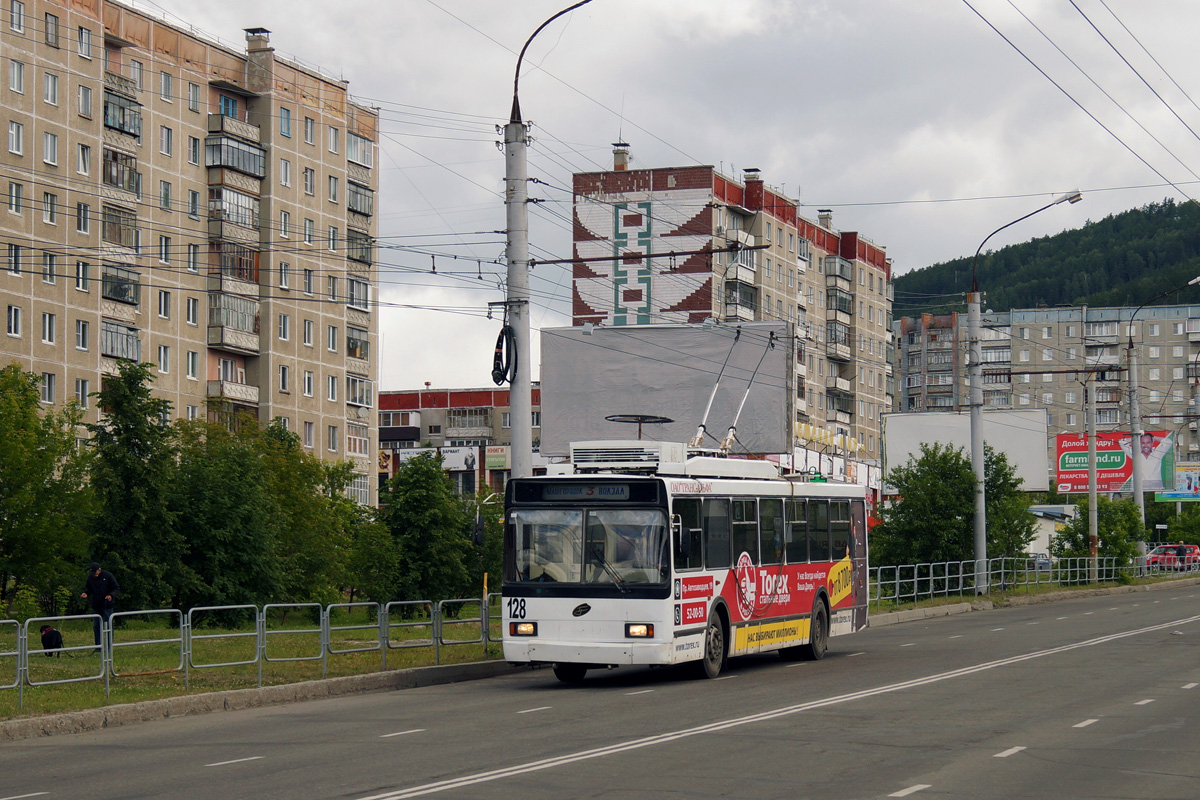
1041 562
1174 556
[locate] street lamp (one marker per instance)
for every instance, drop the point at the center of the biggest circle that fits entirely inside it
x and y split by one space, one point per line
516 201
975 377
1135 412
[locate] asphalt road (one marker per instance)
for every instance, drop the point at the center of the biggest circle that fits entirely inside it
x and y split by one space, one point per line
1087 698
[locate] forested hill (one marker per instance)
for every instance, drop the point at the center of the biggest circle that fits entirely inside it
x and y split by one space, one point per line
1122 260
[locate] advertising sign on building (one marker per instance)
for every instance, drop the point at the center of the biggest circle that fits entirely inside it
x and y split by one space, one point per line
1114 467
1187 484
496 457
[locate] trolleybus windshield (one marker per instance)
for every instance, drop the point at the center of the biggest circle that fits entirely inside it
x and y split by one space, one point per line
594 546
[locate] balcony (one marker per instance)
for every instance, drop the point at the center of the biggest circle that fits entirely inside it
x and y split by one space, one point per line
225 337
236 392
219 123
119 83
837 384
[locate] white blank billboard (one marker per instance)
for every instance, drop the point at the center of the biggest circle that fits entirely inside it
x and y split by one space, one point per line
666 371
1021 435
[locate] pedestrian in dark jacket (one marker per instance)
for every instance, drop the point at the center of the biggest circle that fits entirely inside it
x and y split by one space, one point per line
101 589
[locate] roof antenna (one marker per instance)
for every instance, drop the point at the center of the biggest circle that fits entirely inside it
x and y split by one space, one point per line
731 436
698 439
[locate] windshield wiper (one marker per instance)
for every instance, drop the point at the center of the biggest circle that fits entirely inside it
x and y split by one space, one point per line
599 556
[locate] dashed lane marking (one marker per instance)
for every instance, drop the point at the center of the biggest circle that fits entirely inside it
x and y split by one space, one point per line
539 708
910 790
1009 752
402 733
1085 723
234 761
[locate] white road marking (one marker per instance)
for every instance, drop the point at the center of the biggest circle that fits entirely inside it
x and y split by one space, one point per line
957 636
910 790
1190 685
1009 752
1115 608
852 655
234 761
1144 702
1088 613
539 708
22 796
402 733
1031 623
764 716
910 644
1060 617
1085 723
725 677
997 629
643 691
795 664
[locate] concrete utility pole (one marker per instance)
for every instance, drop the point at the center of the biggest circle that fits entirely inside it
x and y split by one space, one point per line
1089 389
975 378
516 201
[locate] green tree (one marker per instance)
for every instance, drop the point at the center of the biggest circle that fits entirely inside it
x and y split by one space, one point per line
45 498
487 556
373 562
133 533
429 527
933 517
1118 531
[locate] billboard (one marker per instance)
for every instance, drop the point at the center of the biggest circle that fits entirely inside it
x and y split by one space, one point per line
1187 484
1020 435
595 377
1114 467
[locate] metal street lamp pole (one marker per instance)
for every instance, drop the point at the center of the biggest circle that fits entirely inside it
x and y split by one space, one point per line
975 378
516 201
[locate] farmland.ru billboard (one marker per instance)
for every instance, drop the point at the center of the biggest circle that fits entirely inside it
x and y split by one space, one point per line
1114 469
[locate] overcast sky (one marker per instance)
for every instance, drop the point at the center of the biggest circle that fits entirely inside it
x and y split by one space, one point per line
916 122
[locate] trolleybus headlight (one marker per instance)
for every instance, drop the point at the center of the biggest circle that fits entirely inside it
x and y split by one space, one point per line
522 628
639 630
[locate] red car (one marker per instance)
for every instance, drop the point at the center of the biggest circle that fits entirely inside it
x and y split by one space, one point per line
1174 556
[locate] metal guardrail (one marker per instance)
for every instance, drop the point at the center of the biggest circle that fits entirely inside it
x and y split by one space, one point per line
180 640
455 621
266 632
405 606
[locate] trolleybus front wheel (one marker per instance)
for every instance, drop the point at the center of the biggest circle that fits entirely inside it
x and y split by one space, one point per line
716 649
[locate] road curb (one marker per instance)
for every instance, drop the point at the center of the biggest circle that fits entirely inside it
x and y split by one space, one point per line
235 699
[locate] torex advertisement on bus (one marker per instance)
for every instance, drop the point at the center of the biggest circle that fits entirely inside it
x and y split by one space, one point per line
1114 463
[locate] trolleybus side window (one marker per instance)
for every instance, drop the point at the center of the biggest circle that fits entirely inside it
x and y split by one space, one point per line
770 530
839 527
688 552
745 529
716 533
797 540
818 530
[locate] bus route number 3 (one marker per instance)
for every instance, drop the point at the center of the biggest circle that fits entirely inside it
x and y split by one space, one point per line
516 607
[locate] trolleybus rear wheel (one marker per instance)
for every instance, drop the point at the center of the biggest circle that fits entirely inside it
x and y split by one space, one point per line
818 634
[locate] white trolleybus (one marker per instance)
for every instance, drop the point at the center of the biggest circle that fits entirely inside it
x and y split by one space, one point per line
648 556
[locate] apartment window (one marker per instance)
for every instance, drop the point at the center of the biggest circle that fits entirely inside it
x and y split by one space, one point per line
16 197
307 385
164 304
50 268
48 325
308 332
285 122
82 334
122 114
85 101
194 150
164 359
285 274
119 226
164 195
332 444
82 390
14 321
285 327
237 260
333 139
1177 351
285 224
1047 355
1155 352
166 86
285 172
331 339
49 208
333 189
193 204
85 42
227 106
15 258
331 388
16 138
358 246
49 379
233 206
16 76
166 140
359 149
310 130
1024 355
1155 374
82 276
83 159
120 170
193 97
192 311
192 412
225 151
360 199
51 149
52 30
331 287
50 88
310 180
1108 416
359 293
308 281
193 257
1071 420
357 345
333 238
285 374
193 364
308 434
1154 329
137 71
309 230
360 391
1071 397
121 285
